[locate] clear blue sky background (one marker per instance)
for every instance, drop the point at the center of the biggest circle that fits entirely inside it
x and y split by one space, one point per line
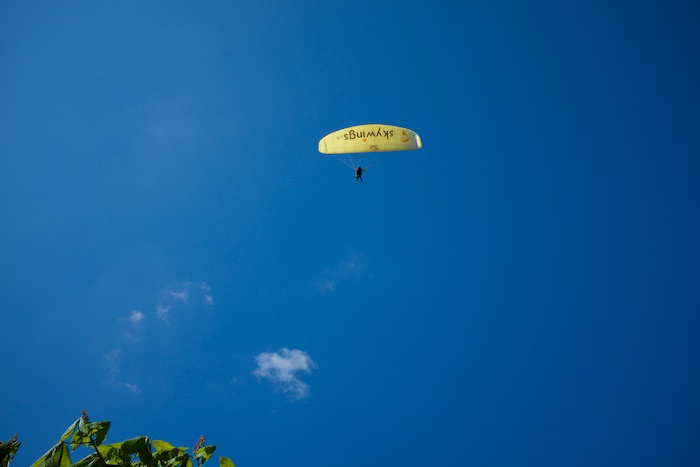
177 257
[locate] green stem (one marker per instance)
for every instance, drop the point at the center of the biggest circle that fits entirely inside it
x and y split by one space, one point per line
94 445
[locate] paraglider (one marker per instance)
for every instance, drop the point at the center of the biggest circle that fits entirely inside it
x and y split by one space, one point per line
367 138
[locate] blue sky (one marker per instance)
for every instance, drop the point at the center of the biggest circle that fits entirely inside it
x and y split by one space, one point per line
179 259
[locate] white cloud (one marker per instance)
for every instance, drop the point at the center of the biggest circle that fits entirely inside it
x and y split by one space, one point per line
134 318
112 362
181 296
131 325
162 311
327 285
186 294
194 298
281 368
132 387
206 290
353 268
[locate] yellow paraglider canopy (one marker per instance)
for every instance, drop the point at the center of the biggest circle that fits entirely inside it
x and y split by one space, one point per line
374 137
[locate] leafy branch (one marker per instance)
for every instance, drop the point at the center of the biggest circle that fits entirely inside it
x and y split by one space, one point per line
8 450
134 452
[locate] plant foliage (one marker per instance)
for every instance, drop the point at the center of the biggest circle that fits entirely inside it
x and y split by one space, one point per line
134 452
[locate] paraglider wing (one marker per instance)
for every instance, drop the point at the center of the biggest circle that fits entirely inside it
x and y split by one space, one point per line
373 137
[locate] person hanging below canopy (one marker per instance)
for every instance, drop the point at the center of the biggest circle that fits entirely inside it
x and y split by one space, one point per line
358 174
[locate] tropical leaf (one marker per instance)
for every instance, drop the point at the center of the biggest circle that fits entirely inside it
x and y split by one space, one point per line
8 450
204 453
113 454
69 431
171 456
134 452
89 432
57 456
110 453
93 460
140 446
99 430
135 445
161 445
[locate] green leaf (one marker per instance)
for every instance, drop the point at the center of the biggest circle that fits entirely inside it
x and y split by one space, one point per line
87 432
113 455
99 430
64 458
169 455
182 459
141 446
79 439
135 445
225 462
8 451
92 460
161 445
106 451
57 456
204 453
70 430
40 461
82 426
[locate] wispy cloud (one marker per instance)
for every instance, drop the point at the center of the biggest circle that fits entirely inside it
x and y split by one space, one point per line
184 294
281 369
112 360
134 318
352 268
130 328
132 387
130 325
206 291
181 296
162 311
